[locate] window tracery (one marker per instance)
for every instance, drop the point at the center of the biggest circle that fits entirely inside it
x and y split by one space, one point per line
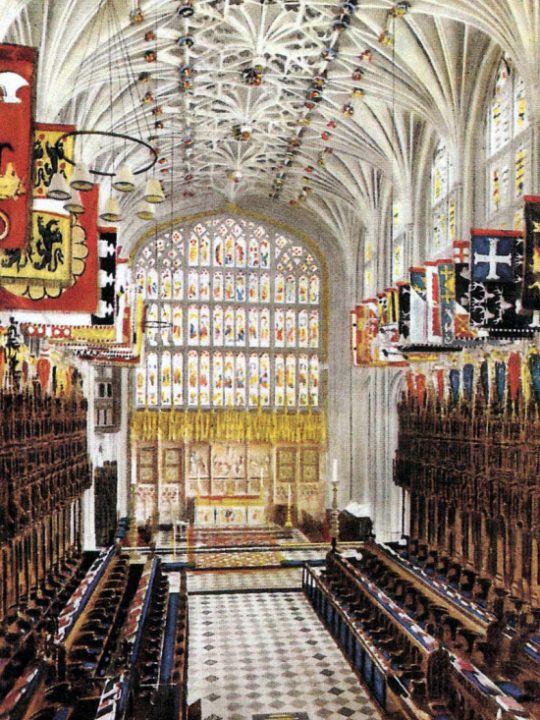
233 311
507 143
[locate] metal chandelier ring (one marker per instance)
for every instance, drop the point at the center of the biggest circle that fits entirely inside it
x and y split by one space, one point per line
106 133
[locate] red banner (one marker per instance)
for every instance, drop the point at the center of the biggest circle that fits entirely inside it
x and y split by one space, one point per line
17 64
82 294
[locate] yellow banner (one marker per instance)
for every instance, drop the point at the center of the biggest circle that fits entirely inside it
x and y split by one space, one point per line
46 263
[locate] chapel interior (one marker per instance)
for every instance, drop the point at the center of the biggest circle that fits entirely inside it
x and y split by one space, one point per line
269 359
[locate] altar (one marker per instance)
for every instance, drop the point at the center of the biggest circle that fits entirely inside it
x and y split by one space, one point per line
223 512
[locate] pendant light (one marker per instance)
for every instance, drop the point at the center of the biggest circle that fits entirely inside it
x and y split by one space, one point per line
146 211
111 212
58 188
124 180
81 179
74 204
154 192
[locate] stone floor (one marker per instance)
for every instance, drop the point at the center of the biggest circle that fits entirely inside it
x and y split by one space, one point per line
258 650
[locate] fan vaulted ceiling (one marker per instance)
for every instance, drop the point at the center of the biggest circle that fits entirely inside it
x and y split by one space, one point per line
378 88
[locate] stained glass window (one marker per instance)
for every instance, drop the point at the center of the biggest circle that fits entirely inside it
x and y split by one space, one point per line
443 199
508 149
233 316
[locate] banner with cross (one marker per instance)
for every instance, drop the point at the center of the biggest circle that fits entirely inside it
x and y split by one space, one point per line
496 280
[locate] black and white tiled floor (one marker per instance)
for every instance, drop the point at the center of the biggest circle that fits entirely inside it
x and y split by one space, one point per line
267 653
242 580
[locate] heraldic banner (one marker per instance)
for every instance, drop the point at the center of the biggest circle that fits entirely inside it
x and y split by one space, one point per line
530 293
17 65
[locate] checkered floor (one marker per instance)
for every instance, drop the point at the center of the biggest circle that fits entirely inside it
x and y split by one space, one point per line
207 582
262 653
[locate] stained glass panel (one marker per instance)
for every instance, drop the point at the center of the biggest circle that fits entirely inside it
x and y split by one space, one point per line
290 376
178 395
508 143
193 306
166 379
217 376
253 379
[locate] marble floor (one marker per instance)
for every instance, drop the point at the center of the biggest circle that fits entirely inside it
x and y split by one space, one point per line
257 654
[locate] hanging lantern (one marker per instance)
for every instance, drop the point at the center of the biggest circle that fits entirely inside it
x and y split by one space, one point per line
146 211
186 9
59 188
81 179
111 212
124 180
74 204
154 192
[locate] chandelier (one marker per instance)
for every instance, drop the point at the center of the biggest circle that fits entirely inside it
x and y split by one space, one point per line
119 174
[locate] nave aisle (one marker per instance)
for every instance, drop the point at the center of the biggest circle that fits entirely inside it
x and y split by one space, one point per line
258 650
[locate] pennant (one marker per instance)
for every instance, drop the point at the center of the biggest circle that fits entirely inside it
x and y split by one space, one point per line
500 379
409 381
454 380
534 370
485 379
462 274
439 383
447 300
392 306
404 300
61 271
418 305
468 380
530 291
514 375
421 389
367 329
382 308
434 330
106 278
354 336
496 269
17 66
